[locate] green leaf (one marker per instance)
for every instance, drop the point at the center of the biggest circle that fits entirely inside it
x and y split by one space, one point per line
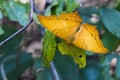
1 15
59 8
86 13
110 41
91 72
17 65
55 8
48 10
108 59
106 65
15 11
118 5
117 70
49 47
1 31
44 73
106 73
1 1
15 42
71 5
76 53
66 67
110 18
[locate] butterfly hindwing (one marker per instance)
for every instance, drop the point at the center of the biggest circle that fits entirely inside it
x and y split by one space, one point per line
88 38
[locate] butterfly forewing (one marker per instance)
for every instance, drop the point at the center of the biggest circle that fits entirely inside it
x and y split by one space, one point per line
62 26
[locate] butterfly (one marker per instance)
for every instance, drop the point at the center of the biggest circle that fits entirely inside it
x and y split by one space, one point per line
69 27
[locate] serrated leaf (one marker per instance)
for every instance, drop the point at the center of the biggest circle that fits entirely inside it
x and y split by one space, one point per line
110 18
49 47
76 53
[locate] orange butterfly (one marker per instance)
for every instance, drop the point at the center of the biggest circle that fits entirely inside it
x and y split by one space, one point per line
69 27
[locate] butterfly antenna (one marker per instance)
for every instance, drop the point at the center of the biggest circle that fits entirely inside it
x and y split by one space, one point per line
23 28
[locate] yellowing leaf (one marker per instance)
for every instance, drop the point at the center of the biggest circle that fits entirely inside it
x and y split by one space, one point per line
69 27
76 53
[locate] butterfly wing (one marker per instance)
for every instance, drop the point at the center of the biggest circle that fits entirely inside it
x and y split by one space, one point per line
88 38
62 26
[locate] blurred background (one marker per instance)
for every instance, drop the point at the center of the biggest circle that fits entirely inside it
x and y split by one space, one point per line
22 57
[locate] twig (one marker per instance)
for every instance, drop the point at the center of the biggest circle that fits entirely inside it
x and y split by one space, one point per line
53 72
23 28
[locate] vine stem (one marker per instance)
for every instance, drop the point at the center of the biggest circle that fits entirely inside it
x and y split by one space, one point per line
53 72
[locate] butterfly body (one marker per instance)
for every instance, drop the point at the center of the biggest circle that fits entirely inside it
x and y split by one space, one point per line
69 27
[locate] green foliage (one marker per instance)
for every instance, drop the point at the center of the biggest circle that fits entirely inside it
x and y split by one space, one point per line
97 68
8 30
109 22
71 5
1 31
110 18
107 63
44 74
76 53
23 62
86 13
117 71
49 47
49 51
59 6
1 15
66 67
15 11
14 60
110 44
49 44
